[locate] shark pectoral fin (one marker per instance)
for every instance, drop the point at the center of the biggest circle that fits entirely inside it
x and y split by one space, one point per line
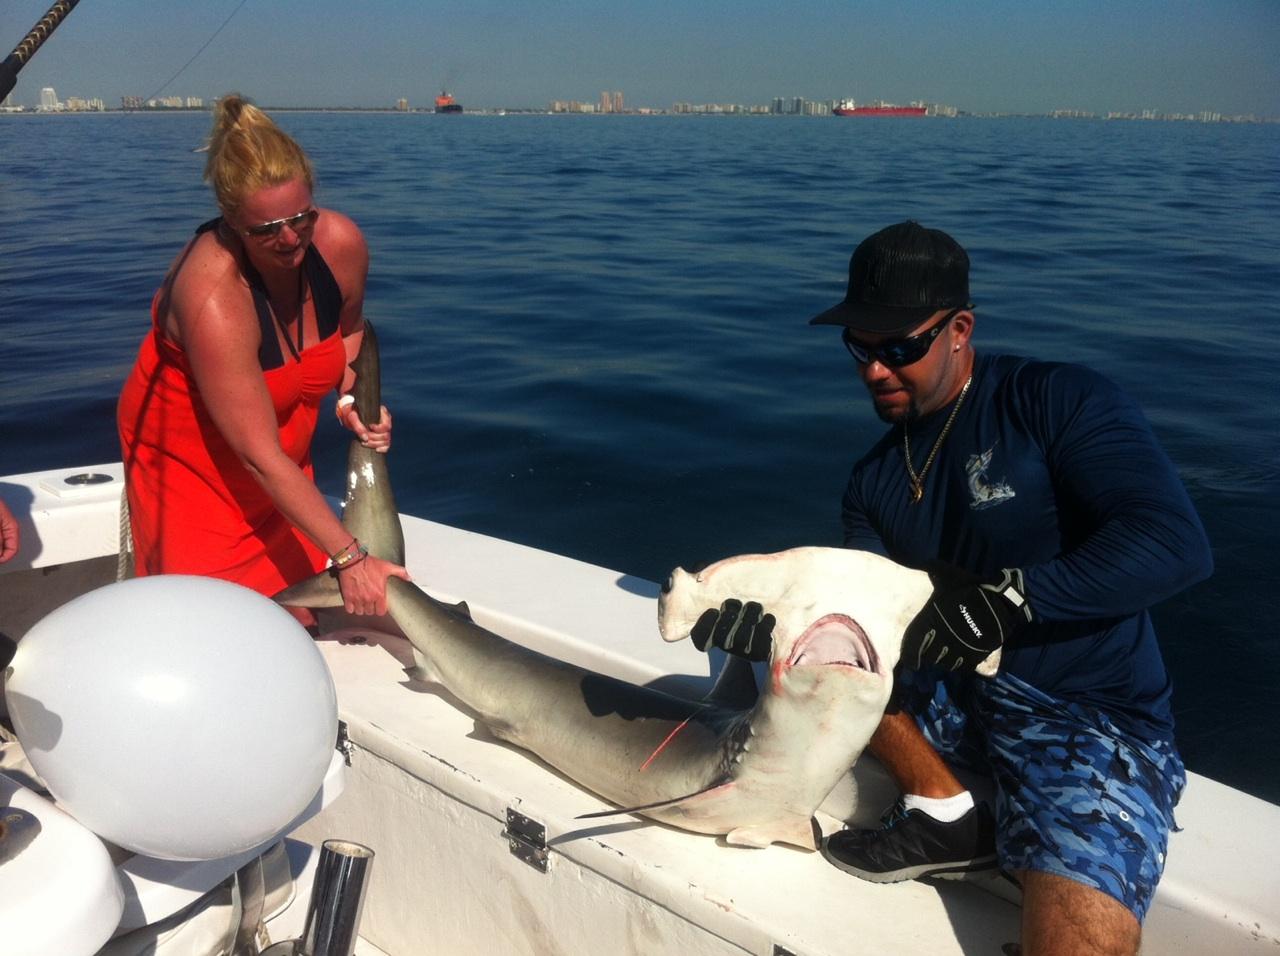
736 686
682 803
422 669
799 832
320 590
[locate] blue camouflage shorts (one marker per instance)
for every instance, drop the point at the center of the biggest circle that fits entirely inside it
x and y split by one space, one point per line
1075 795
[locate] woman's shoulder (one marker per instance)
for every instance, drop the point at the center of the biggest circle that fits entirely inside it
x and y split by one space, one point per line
206 273
337 236
341 245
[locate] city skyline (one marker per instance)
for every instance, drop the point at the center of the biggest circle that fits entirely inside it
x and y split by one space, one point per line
1129 56
612 102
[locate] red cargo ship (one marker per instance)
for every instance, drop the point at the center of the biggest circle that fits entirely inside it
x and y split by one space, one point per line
848 108
445 103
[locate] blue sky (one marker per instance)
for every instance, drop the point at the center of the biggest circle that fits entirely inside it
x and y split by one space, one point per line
1027 56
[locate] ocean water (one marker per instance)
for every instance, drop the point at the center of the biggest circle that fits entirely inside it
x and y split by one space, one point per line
594 337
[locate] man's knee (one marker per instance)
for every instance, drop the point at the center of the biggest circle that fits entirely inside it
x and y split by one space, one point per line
1062 917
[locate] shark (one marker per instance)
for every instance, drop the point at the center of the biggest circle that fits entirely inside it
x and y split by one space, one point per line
752 767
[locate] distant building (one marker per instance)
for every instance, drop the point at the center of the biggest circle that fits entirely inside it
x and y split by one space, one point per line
131 102
78 104
402 105
49 99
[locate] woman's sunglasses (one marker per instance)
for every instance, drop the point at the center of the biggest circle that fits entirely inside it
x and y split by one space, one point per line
899 352
295 222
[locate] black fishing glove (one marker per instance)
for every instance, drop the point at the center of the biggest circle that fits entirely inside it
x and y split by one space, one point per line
966 621
741 629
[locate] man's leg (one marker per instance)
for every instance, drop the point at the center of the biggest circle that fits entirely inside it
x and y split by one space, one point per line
1061 917
934 829
1085 813
910 759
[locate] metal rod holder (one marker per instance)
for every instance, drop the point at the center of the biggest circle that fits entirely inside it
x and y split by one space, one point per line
337 897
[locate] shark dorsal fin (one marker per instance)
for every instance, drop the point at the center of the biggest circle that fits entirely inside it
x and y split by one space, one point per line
463 609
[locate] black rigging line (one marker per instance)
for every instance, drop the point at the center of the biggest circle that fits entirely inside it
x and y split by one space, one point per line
166 83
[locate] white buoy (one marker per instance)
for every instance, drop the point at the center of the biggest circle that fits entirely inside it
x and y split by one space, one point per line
180 717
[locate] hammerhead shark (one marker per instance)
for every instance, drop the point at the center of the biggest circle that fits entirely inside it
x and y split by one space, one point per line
756 772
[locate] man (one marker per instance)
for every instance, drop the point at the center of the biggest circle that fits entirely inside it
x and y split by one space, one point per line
1050 520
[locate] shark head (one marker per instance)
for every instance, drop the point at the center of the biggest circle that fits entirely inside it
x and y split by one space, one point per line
840 616
834 607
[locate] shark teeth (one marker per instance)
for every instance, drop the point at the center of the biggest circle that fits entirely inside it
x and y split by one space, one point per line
835 640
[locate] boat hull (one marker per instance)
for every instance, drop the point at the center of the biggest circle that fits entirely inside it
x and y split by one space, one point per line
430 793
879 111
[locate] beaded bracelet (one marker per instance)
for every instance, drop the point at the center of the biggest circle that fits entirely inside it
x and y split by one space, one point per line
347 553
351 560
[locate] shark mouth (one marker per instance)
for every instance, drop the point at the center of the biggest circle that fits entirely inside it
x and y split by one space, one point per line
836 640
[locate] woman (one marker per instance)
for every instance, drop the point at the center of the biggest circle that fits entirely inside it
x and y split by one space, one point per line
255 322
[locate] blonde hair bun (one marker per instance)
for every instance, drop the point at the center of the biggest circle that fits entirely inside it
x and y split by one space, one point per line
248 152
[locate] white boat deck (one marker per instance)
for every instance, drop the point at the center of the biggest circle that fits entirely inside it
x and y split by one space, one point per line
430 794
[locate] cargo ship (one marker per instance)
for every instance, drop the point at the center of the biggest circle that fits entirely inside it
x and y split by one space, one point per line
849 108
445 103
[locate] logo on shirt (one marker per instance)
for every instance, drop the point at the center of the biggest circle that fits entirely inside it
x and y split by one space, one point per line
982 492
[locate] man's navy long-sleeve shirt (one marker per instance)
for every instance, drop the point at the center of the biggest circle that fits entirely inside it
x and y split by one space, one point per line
1050 468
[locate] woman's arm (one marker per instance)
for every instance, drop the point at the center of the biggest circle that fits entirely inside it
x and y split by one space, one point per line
220 339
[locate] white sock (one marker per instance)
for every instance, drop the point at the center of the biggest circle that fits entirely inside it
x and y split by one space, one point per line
942 809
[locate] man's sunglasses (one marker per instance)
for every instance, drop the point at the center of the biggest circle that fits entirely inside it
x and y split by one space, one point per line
899 352
295 222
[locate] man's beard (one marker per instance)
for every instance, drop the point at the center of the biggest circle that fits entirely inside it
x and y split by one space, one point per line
910 414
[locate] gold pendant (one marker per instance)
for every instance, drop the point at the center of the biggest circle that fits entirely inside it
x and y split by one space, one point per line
917 492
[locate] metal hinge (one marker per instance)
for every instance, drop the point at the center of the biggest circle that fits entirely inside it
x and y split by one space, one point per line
527 840
343 744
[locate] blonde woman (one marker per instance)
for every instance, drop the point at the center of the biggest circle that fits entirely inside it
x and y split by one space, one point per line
252 327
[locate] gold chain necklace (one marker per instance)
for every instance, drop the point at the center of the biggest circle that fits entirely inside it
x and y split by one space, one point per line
917 480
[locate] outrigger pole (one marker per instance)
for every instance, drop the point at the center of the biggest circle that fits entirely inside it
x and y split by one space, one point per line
25 50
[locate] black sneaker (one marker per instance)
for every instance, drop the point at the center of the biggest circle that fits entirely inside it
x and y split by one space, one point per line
910 845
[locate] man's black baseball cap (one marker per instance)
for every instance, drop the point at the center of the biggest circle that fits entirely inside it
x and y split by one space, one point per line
898 277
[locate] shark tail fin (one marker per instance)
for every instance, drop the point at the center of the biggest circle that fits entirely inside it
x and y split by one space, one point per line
716 789
319 590
367 389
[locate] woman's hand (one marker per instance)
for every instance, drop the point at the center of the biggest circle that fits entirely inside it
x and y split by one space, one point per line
376 437
9 537
363 584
